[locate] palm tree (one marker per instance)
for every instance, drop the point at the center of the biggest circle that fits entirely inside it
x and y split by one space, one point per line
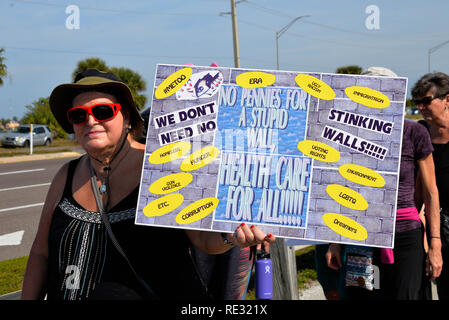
132 79
90 63
135 82
2 66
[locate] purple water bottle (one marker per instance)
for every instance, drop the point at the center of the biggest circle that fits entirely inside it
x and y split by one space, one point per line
264 279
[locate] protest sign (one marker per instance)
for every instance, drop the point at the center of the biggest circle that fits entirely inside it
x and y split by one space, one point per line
311 156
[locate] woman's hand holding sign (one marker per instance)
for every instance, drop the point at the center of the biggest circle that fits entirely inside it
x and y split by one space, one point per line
244 236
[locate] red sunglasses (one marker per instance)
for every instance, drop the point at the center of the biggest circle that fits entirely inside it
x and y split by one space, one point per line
100 112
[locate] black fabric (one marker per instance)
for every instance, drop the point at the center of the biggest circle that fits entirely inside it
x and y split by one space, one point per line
96 73
405 279
443 279
441 160
161 256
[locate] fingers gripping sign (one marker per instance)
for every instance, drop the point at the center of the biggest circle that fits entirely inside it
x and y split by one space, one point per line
245 236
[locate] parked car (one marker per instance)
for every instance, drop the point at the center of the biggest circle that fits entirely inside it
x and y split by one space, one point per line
20 137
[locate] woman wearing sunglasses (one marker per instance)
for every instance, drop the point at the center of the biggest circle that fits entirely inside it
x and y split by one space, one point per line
431 95
404 271
80 253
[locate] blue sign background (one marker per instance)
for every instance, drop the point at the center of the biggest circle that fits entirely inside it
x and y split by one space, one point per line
286 141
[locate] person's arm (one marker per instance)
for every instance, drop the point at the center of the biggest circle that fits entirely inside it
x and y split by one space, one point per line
244 236
432 210
33 287
333 256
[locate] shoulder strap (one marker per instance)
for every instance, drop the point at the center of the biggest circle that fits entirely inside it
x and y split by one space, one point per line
69 179
104 218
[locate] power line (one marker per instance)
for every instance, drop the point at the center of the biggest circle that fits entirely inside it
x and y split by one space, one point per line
339 29
306 36
283 14
106 53
52 4
122 54
272 11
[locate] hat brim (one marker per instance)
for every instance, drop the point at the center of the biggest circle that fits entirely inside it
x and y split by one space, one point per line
62 96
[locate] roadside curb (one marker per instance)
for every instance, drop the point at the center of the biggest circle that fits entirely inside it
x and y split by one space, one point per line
16 295
35 157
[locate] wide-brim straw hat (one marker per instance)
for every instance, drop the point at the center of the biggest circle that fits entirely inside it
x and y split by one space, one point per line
92 80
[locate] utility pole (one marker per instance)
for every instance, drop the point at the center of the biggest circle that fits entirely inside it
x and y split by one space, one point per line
235 35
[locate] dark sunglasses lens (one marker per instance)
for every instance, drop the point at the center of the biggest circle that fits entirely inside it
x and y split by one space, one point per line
103 112
423 101
77 116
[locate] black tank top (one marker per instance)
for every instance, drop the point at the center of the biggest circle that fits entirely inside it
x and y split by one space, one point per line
83 262
441 160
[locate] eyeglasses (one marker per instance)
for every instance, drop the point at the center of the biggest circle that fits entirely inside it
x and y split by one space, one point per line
425 101
100 112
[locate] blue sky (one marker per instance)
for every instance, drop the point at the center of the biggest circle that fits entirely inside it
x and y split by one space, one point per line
42 53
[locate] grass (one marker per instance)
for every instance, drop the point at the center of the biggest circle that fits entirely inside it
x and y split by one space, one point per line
305 266
11 274
415 117
58 145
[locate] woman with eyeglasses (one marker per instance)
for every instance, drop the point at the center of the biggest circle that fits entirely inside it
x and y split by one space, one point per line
404 271
80 253
431 95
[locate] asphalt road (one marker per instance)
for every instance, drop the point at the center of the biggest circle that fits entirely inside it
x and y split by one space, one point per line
23 188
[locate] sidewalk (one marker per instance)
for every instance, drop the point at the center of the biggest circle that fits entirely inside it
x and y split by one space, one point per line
314 292
44 156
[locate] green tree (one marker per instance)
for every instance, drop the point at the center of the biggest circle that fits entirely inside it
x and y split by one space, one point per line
135 82
90 63
39 112
353 69
131 78
409 103
3 72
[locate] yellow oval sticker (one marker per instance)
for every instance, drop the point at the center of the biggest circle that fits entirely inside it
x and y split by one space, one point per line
172 83
200 158
319 151
197 210
169 152
361 175
368 97
345 226
171 183
257 79
347 197
315 87
163 205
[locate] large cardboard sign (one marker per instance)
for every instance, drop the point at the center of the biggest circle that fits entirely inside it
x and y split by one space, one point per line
310 156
